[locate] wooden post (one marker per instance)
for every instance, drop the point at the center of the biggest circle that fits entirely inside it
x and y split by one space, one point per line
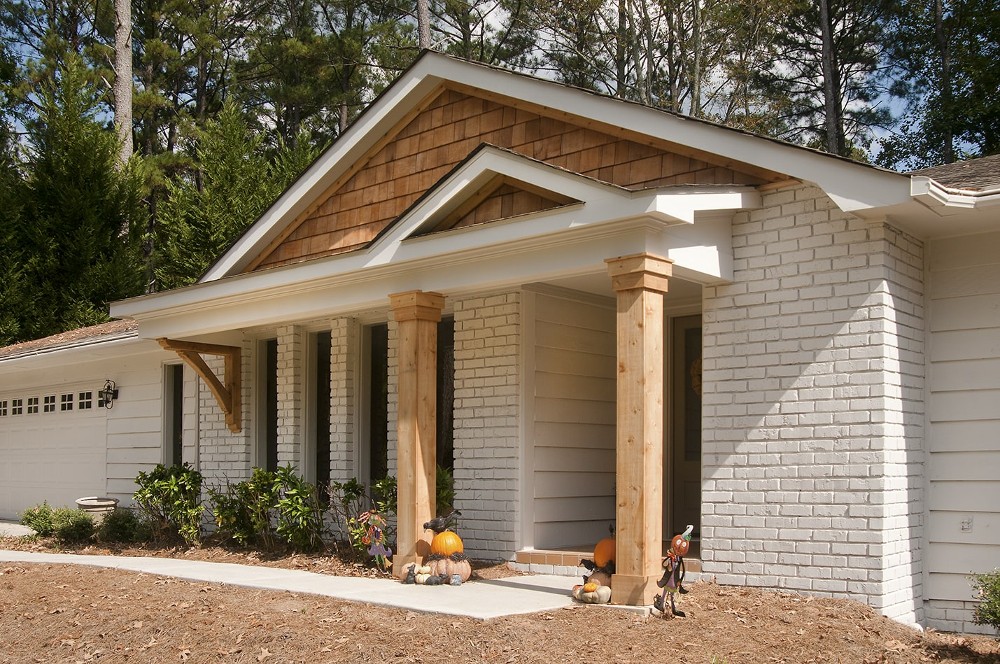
418 314
640 282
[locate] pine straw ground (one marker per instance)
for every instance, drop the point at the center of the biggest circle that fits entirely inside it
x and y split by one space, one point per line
66 613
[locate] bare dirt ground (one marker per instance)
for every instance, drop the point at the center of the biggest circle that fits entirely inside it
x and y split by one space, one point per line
57 613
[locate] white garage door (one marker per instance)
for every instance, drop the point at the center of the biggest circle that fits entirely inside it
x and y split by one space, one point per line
53 447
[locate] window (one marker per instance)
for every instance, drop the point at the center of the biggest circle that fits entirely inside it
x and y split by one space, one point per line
16 406
3 409
446 394
32 405
85 400
377 399
49 405
267 441
321 408
66 402
173 414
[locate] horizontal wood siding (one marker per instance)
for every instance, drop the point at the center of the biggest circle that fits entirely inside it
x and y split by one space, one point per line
963 468
426 148
574 423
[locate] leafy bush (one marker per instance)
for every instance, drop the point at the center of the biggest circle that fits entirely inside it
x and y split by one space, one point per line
171 498
348 500
39 519
72 526
300 515
987 588
124 525
243 510
270 503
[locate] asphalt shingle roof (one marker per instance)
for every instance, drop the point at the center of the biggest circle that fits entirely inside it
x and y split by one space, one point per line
81 336
974 175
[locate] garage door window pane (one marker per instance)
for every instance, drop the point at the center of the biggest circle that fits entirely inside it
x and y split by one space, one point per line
50 404
16 407
3 409
86 401
66 402
32 405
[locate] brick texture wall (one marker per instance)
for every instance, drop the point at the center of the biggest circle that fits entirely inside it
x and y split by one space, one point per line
225 456
344 349
487 426
812 390
291 385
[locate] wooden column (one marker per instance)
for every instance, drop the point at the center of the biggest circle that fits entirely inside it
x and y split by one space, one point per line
417 314
640 282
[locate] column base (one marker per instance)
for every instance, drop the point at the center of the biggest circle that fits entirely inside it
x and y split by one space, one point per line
634 590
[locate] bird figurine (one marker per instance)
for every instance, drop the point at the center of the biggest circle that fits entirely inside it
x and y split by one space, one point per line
441 523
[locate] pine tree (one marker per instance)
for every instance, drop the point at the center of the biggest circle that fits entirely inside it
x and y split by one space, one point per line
207 210
944 55
81 217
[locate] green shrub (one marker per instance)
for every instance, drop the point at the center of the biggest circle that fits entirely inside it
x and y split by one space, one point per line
269 504
243 511
39 519
300 515
72 526
124 525
987 590
171 498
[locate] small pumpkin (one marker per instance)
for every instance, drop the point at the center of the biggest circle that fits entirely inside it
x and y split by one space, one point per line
604 552
600 595
454 564
590 587
446 543
421 579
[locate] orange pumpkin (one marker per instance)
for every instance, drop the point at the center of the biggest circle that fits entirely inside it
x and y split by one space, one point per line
446 543
604 552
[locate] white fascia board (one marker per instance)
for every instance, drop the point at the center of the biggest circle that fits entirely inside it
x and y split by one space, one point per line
498 255
947 201
112 349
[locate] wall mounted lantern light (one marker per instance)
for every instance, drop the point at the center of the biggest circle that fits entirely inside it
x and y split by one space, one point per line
109 393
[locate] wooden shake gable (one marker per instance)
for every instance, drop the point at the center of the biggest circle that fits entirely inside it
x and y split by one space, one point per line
450 125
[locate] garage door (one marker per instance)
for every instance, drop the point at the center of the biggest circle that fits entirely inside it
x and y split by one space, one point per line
53 447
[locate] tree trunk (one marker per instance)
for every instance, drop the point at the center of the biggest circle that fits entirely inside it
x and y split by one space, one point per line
423 24
696 73
831 86
947 101
122 88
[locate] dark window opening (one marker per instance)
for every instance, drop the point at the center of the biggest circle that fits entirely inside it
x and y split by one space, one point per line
446 394
378 402
271 404
175 413
323 413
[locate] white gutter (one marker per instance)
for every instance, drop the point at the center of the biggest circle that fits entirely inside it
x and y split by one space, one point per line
936 196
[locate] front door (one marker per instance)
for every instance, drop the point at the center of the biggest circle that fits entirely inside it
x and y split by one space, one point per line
683 449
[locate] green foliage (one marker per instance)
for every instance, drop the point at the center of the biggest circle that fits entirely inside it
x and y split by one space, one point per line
269 504
171 499
124 525
206 210
444 490
72 526
77 228
987 591
243 510
39 519
300 515
347 501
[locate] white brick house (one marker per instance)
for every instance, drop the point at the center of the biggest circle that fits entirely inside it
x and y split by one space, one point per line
602 313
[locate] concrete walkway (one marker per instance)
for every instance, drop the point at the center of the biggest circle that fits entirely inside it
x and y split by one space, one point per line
478 599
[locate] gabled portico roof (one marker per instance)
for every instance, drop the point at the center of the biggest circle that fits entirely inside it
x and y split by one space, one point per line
854 187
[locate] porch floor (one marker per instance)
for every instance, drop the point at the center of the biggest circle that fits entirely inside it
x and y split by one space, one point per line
570 556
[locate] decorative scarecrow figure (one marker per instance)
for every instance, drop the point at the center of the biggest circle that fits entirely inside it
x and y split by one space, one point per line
673 572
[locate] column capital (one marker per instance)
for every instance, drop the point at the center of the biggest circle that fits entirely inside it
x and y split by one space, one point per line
640 271
416 305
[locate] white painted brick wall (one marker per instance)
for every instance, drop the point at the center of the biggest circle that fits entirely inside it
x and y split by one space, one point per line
291 393
226 456
487 436
344 349
812 400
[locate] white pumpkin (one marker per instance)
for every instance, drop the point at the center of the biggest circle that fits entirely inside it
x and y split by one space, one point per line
421 578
